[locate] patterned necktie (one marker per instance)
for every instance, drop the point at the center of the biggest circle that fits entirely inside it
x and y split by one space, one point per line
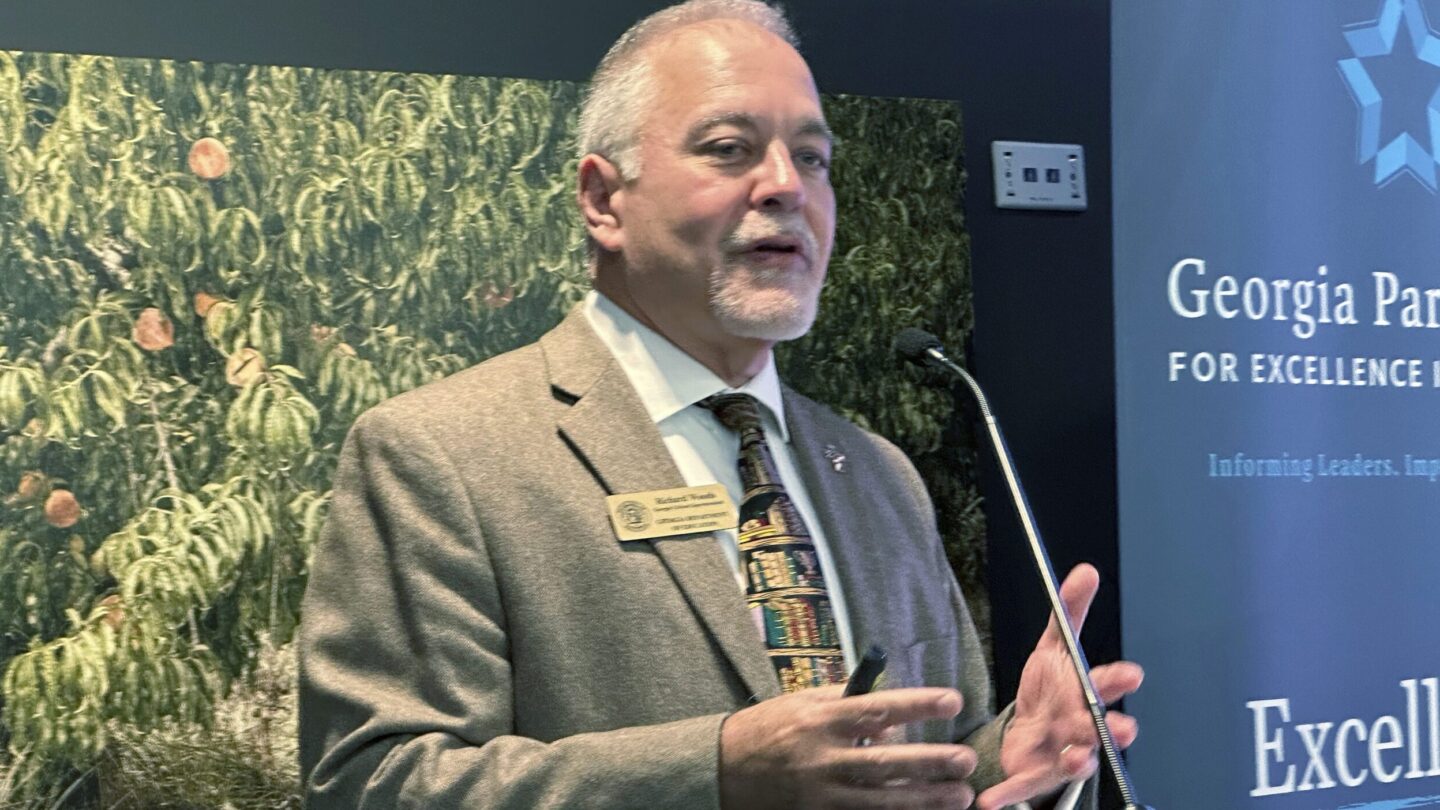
785 589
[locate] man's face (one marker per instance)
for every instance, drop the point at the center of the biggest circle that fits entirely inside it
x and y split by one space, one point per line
728 228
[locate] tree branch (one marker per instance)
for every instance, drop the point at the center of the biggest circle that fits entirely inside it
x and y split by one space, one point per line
163 439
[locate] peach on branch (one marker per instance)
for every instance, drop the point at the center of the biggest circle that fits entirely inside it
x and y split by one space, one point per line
62 510
153 330
209 159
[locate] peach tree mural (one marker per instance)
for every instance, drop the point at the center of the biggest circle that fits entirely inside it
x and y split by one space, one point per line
208 271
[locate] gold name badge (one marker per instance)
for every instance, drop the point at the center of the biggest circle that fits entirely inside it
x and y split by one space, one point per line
668 512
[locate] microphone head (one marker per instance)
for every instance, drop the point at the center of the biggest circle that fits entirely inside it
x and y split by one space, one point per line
914 344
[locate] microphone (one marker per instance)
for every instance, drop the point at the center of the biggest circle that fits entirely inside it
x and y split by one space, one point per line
915 345
924 349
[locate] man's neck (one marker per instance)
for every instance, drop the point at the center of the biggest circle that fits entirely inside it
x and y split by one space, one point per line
733 359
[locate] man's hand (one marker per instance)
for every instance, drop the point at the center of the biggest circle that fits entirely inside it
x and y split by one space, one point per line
1051 739
799 751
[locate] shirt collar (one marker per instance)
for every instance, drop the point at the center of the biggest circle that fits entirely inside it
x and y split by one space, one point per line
667 379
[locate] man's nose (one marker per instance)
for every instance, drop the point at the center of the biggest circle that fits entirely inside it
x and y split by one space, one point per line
779 186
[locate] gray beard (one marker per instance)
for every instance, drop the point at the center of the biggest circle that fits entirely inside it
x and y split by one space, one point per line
733 313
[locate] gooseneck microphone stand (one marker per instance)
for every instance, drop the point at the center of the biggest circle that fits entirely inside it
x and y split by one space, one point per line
925 349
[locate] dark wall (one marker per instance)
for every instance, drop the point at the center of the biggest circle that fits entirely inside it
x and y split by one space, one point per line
1039 70
1023 70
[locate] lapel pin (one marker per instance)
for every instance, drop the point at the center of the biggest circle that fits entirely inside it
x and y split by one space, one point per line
836 458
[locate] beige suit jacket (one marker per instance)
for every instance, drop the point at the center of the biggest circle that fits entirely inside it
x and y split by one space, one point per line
475 636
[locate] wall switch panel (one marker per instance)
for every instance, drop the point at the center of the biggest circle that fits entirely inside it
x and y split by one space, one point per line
1047 176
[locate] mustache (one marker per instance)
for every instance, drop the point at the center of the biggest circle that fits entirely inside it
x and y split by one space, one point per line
769 226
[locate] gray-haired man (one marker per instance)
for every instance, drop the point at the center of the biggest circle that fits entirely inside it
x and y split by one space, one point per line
475 633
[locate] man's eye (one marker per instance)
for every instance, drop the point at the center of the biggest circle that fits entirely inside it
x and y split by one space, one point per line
813 159
726 149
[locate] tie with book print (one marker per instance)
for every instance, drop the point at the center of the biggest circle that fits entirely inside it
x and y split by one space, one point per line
785 589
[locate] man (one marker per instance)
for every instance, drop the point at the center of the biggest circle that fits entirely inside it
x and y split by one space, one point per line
476 635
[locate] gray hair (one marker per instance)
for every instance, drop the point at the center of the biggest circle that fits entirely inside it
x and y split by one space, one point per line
614 107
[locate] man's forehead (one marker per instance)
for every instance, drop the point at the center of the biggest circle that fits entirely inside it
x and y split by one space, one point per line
721 47
709 73
705 35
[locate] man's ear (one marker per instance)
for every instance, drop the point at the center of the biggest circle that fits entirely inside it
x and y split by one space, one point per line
601 195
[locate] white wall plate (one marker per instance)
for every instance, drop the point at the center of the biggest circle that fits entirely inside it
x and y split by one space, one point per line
1039 175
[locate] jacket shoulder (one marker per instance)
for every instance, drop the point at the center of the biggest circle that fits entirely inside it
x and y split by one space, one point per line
496 391
826 420
865 449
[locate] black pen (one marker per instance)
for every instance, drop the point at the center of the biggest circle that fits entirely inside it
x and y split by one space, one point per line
863 679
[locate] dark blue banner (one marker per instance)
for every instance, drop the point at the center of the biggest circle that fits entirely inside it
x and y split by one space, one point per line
1277 249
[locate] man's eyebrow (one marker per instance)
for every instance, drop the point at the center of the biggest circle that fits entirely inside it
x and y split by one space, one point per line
813 127
816 127
709 122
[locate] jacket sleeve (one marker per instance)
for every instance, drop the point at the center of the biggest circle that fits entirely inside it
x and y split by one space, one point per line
405 682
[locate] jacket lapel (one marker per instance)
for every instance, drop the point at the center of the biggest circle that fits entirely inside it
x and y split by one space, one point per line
850 535
609 429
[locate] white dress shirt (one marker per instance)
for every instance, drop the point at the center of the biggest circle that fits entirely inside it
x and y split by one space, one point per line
670 383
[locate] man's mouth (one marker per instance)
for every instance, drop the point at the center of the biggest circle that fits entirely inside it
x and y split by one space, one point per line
780 245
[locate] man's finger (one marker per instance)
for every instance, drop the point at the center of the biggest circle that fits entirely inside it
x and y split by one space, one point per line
869 715
917 762
1116 680
1123 728
1078 761
1078 591
1019 788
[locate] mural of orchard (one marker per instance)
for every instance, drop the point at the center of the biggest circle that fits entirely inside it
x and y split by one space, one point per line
208 271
